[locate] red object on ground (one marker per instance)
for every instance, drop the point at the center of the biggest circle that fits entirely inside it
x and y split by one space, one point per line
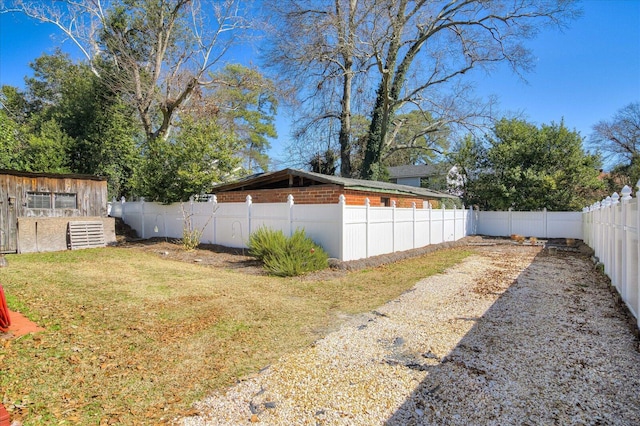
21 325
5 320
4 417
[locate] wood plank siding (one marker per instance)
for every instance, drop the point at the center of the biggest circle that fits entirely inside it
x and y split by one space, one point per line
45 195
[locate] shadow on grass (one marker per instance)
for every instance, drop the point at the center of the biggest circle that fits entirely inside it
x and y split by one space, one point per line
555 348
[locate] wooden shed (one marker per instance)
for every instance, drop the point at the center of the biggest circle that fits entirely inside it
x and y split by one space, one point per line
314 188
51 212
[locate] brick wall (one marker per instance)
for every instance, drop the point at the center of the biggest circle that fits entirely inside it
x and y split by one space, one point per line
318 194
356 198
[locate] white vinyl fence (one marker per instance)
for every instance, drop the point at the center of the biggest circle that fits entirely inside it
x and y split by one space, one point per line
345 232
541 224
611 230
611 227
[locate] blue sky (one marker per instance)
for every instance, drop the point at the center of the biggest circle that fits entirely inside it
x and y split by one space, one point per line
582 75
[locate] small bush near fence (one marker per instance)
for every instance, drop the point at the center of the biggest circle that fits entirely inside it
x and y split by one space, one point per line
287 257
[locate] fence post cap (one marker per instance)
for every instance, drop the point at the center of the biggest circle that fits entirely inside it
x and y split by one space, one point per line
214 198
615 198
142 199
393 203
248 199
367 202
342 199
290 199
626 193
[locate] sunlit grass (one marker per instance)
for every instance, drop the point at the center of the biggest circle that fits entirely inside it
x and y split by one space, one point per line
134 338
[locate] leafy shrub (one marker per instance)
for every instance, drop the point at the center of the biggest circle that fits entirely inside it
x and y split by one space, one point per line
265 241
287 257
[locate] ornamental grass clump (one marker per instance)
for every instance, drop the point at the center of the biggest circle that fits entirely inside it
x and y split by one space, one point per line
287 257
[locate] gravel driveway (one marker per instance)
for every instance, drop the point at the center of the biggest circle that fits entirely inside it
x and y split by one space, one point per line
513 335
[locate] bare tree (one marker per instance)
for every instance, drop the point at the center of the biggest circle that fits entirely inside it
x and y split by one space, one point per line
321 46
402 56
429 45
155 53
619 138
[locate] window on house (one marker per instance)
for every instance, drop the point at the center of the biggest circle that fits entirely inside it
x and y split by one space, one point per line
38 200
385 201
65 201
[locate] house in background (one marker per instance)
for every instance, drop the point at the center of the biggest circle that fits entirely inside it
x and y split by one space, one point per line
51 212
314 188
433 176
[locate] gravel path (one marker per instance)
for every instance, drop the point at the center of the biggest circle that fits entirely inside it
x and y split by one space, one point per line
513 335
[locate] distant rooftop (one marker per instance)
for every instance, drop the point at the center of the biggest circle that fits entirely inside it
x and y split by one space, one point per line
410 171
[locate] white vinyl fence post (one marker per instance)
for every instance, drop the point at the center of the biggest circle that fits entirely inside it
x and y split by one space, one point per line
442 211
290 204
455 222
545 222
142 217
413 207
214 209
601 230
248 203
510 217
429 222
191 212
615 255
122 204
607 234
465 225
637 260
342 201
367 204
624 276
393 225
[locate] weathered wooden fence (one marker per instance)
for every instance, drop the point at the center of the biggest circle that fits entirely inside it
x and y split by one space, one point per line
611 230
345 232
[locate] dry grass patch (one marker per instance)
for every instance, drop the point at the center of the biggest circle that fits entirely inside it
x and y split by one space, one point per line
135 338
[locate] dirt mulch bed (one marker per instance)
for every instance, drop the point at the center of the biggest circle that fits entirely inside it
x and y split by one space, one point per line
218 256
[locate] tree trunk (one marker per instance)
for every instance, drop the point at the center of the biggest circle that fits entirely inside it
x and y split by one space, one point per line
383 108
345 128
344 137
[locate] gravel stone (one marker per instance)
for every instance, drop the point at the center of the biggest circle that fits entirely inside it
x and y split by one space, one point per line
512 335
